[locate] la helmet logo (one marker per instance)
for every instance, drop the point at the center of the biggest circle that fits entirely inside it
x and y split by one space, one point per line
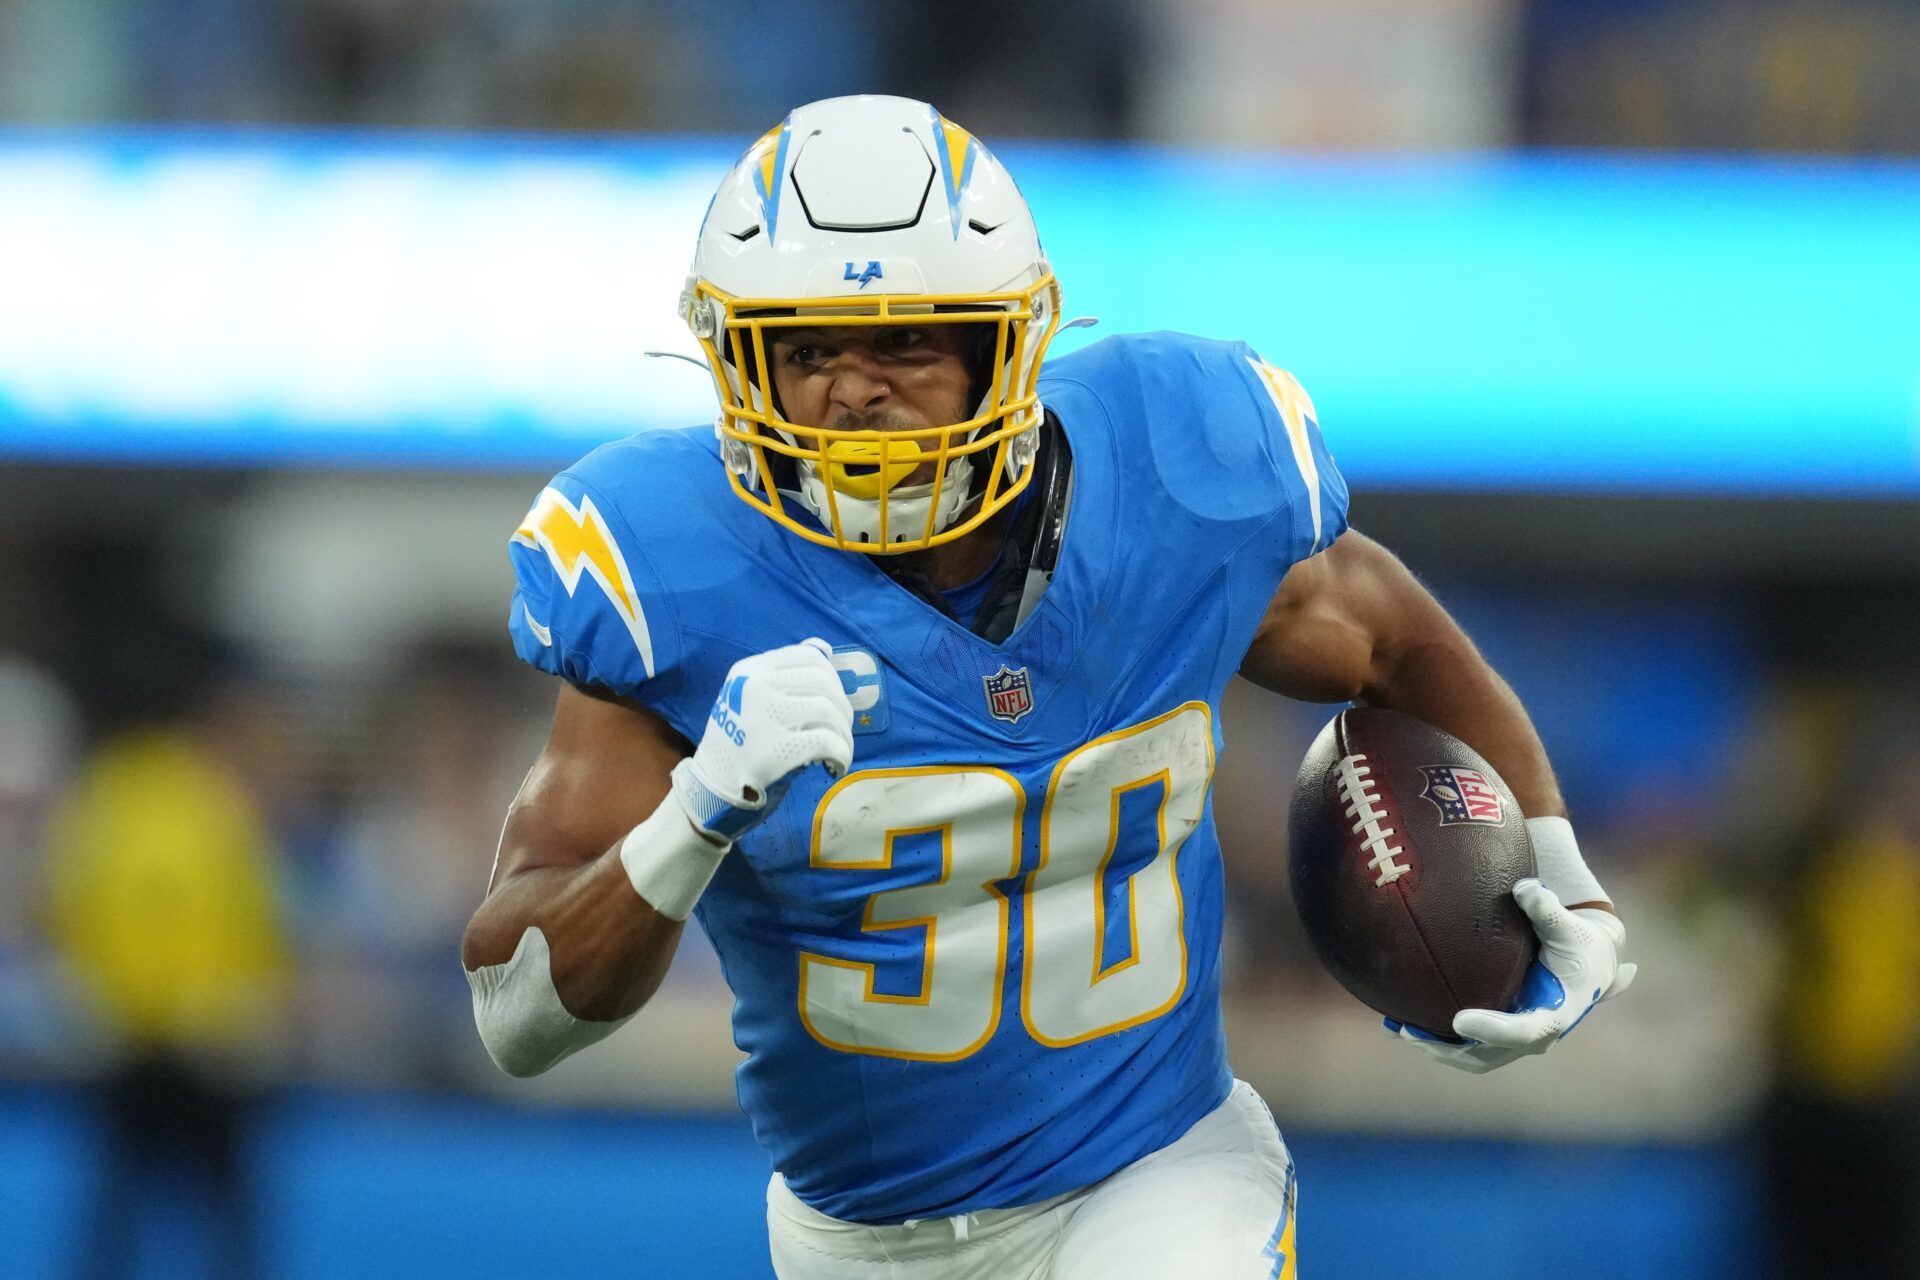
870 272
1009 693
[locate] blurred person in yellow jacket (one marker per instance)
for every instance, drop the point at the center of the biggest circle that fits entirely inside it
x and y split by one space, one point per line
1843 1130
162 911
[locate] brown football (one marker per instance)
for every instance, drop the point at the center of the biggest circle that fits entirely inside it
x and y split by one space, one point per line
1403 848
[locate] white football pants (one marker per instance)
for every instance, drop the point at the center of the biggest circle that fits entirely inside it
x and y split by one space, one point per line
1217 1204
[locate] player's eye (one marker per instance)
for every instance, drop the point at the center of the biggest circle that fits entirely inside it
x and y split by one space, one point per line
807 355
900 341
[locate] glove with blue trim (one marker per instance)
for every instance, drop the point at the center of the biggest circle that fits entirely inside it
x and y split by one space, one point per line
777 713
1578 967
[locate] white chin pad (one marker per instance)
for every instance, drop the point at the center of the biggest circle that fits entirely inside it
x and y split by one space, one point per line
907 505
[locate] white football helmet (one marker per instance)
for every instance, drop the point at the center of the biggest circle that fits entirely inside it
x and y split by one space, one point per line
872 211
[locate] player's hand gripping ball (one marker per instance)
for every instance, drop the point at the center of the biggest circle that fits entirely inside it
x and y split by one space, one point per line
1579 966
777 713
1404 848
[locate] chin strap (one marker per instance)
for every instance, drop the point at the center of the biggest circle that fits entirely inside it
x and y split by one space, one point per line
1033 543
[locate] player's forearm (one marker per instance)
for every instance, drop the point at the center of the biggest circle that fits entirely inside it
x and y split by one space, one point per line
586 952
562 952
609 947
1443 680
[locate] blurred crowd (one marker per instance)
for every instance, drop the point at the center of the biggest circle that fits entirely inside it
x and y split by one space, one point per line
278 891
1820 75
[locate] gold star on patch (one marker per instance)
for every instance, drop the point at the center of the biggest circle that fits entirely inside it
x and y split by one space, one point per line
865 719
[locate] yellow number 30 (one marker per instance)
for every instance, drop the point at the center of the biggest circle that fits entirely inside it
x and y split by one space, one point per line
1067 995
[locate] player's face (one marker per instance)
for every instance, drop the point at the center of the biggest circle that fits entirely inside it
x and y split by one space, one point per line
860 378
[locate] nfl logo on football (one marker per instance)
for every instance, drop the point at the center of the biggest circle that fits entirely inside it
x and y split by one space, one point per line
1009 694
1462 795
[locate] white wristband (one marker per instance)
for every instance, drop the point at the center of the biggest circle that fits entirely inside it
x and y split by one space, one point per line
668 862
1556 857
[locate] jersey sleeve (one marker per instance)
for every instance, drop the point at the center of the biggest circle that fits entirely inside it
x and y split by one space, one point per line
587 605
1315 489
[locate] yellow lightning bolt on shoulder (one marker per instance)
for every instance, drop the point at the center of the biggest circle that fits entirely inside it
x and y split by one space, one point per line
1295 405
579 544
1296 410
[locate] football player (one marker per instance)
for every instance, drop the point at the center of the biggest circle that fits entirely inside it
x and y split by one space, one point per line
905 679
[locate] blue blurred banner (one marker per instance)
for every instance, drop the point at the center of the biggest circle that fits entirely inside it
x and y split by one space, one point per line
1481 322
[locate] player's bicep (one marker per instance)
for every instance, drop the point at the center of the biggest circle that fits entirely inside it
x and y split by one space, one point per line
605 767
1340 622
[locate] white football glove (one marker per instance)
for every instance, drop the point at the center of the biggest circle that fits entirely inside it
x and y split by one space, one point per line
1579 966
777 713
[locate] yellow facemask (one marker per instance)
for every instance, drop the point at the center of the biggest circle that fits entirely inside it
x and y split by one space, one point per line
869 466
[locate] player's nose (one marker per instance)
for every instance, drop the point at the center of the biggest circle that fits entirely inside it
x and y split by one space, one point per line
859 384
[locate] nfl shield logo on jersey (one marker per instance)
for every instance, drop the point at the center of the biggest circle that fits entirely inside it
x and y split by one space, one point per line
1009 693
1462 795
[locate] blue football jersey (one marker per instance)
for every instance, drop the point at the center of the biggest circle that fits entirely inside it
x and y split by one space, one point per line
983 968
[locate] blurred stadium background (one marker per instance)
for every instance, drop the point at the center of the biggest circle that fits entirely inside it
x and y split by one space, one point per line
1610 312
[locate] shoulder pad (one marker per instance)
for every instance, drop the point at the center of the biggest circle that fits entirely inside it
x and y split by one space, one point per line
1227 436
